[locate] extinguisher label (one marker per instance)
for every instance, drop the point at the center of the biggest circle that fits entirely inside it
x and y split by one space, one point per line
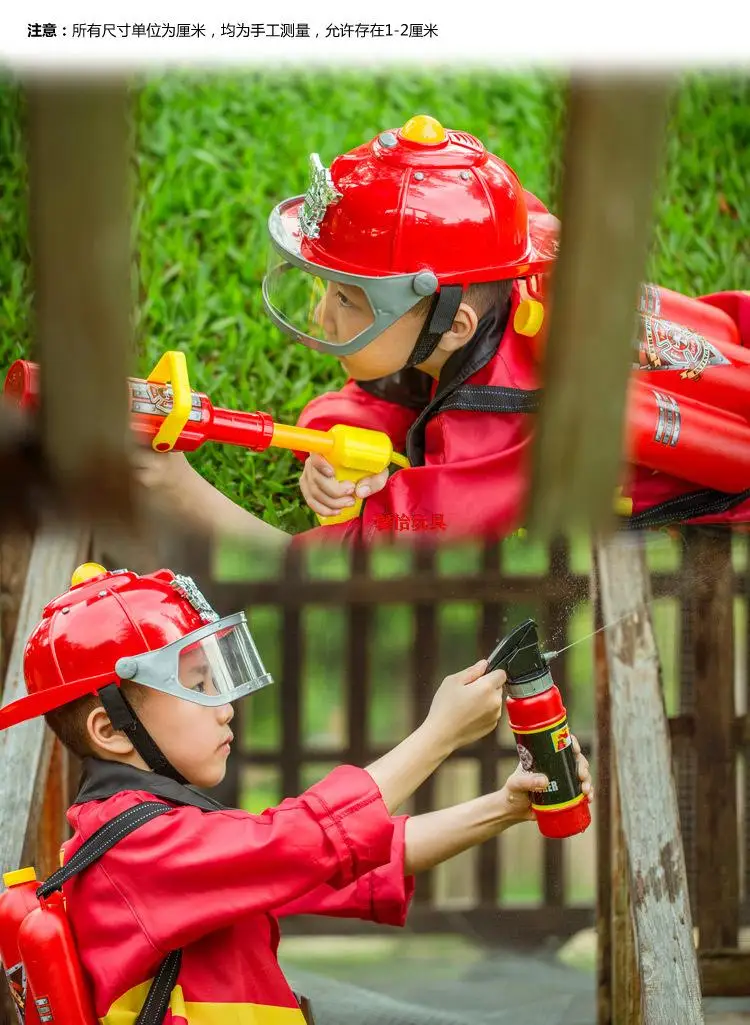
550 752
16 977
158 400
561 738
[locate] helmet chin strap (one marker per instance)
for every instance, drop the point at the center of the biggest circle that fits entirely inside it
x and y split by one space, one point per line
439 320
123 718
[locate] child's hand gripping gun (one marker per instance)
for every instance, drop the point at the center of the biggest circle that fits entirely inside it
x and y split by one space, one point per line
166 413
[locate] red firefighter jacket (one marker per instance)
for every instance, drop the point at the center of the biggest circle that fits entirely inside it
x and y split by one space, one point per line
214 881
469 468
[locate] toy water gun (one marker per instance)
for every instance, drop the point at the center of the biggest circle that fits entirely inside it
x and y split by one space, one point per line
540 726
166 413
688 404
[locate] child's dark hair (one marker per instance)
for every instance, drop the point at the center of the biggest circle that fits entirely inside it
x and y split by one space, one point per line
482 296
68 723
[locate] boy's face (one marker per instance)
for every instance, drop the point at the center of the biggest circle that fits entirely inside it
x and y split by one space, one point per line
194 738
344 312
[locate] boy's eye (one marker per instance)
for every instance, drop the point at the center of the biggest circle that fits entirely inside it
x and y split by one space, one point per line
200 687
344 300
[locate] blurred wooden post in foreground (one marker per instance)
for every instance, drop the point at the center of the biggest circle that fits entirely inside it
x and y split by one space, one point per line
611 160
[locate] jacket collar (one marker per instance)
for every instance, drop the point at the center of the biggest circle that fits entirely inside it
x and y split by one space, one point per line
101 780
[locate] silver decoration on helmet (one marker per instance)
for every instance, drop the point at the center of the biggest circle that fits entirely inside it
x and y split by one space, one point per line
320 195
189 590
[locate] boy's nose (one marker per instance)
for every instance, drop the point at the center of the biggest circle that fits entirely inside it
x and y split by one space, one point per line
322 319
226 714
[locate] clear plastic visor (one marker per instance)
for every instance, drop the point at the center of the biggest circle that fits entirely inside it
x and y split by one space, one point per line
314 308
213 665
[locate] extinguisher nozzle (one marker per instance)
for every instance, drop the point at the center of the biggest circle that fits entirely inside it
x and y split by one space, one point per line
550 656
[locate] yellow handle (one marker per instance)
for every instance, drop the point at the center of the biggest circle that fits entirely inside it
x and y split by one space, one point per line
352 511
172 369
358 453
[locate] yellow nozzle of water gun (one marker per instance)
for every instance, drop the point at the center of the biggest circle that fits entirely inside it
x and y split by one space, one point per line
353 452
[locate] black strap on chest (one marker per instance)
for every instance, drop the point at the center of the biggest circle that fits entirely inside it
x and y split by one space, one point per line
156 1005
684 508
491 398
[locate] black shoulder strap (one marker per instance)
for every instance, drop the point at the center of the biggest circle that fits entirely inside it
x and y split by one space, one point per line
157 1001
491 398
687 507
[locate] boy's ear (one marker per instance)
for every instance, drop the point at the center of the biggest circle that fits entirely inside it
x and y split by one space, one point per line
104 737
461 330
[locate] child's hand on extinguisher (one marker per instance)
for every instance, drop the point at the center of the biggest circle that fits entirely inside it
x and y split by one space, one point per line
522 784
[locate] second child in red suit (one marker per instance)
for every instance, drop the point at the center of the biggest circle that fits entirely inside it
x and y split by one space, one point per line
138 675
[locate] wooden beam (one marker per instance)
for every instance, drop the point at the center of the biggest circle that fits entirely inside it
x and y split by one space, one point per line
612 154
666 954
626 982
618 983
52 820
25 749
603 819
709 569
15 552
725 973
79 174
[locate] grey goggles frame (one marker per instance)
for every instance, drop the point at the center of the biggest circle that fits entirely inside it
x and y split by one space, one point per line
390 297
158 669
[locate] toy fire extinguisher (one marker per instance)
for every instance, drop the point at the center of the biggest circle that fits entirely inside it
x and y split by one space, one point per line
37 946
540 726
16 902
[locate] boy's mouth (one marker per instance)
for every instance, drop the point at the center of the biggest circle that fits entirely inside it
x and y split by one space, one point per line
226 742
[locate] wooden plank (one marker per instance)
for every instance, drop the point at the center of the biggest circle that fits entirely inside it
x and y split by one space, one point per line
716 820
79 177
358 676
556 620
603 820
293 656
52 821
612 153
626 981
489 857
421 588
334 754
417 588
725 973
686 766
15 552
26 748
656 866
423 663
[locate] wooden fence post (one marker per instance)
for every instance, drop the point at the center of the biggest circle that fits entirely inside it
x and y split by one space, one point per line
27 748
666 957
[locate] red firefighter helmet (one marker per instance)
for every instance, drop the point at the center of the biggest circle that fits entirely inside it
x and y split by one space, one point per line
400 217
117 625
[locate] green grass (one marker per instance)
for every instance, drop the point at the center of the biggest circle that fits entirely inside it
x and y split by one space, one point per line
214 153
